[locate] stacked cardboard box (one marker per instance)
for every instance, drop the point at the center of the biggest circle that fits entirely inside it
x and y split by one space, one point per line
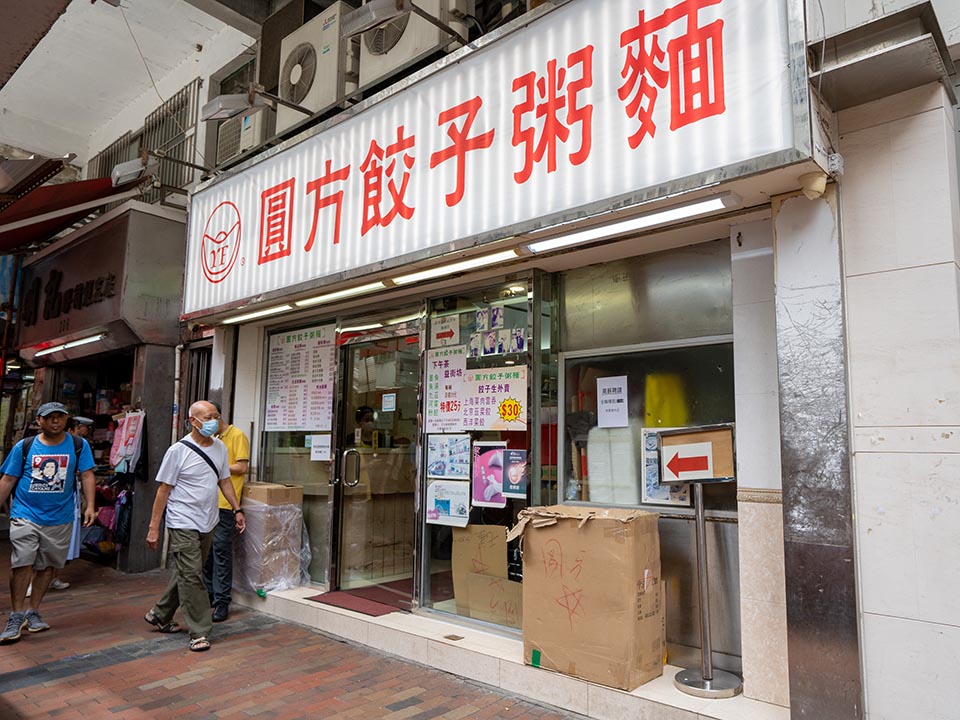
592 597
268 553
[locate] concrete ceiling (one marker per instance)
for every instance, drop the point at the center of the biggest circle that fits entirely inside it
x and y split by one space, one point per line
87 69
31 21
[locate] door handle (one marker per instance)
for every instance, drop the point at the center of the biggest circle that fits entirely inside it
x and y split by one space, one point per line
343 464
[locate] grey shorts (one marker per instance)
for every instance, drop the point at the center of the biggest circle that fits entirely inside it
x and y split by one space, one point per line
39 546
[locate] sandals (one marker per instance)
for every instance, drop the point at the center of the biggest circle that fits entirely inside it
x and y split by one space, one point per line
167 628
199 644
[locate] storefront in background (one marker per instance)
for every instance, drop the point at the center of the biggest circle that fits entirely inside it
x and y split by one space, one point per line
99 325
436 295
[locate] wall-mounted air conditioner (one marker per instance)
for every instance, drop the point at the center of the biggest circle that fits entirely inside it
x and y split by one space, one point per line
316 65
385 49
239 134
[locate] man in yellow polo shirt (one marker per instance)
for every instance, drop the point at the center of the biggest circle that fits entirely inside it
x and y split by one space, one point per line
218 570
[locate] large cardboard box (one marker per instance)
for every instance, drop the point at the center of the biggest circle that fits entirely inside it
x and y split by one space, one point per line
592 598
274 493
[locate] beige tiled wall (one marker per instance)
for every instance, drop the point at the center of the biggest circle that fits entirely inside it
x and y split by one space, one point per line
901 243
763 615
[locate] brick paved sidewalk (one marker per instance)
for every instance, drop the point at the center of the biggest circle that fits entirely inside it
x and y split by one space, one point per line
101 660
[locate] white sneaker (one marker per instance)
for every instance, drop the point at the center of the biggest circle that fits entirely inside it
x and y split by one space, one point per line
58 584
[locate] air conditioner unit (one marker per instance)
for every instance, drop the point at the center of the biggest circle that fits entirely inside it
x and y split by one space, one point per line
239 134
385 49
316 66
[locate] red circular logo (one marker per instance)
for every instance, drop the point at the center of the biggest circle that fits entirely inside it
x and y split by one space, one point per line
221 242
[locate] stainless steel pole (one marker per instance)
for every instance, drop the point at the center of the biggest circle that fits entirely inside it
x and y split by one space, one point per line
706 642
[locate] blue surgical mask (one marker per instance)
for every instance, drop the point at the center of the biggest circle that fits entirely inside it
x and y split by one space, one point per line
209 428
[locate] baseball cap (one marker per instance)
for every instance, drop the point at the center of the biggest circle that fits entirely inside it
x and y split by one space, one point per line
81 420
49 408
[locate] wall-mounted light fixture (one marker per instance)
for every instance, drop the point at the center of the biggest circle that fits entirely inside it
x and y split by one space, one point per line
451 268
224 107
71 344
661 216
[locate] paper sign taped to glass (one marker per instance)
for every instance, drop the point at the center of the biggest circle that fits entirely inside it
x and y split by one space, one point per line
448 503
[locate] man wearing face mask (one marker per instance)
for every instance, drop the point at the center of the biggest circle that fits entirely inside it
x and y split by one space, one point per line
192 470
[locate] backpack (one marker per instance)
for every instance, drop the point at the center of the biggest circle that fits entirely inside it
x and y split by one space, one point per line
27 443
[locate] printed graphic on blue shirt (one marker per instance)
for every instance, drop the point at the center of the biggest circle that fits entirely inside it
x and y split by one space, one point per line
48 473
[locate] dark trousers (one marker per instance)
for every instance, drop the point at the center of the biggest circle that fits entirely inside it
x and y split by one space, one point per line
218 569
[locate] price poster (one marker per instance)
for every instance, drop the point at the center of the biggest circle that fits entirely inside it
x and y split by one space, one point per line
445 370
495 399
300 379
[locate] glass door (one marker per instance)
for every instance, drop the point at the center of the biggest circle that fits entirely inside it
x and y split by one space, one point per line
377 478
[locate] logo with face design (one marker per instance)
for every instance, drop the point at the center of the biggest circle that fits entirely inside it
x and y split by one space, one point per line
221 242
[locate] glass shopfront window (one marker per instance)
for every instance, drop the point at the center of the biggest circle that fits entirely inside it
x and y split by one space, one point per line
477 450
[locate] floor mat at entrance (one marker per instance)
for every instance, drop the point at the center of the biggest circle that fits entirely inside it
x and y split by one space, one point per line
352 602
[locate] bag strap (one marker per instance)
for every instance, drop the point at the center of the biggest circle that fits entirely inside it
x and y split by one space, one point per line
201 453
25 446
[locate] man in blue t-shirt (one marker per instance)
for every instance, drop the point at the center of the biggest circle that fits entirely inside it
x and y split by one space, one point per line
41 513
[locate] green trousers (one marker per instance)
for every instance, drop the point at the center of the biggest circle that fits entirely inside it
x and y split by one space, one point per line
189 549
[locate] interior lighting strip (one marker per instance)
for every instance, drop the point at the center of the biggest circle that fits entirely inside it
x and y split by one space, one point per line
456 267
257 314
340 294
662 216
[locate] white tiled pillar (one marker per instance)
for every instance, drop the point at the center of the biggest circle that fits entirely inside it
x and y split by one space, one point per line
763 616
901 243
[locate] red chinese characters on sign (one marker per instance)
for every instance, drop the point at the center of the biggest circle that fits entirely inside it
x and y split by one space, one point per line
276 220
462 143
554 98
375 171
692 64
335 198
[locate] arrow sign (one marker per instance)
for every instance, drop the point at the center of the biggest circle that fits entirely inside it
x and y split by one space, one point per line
446 331
445 335
691 461
679 465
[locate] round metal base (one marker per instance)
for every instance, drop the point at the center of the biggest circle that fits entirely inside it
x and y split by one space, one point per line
723 684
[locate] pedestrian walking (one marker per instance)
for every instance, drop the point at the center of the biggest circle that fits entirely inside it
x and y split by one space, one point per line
191 470
218 569
41 471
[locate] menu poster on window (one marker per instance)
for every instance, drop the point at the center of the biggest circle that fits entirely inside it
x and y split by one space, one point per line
445 370
448 503
300 379
612 402
495 399
488 474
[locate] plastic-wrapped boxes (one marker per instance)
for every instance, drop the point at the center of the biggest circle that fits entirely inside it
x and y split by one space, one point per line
268 553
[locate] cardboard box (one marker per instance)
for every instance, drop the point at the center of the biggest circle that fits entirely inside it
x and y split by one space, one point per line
495 600
273 493
479 549
592 599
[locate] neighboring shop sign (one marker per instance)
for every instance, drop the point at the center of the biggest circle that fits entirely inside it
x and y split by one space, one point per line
300 380
77 288
594 101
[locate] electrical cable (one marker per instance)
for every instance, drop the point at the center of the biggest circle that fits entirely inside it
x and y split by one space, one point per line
163 103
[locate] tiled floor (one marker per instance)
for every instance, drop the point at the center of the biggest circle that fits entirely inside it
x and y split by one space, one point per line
101 660
497 661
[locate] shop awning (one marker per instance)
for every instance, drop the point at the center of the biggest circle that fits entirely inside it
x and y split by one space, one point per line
48 209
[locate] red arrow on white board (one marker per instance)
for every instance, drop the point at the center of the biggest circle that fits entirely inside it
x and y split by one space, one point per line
445 335
695 463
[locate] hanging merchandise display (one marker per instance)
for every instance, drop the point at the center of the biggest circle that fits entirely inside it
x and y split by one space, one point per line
126 443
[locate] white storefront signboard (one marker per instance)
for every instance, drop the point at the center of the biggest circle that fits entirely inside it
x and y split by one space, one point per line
594 101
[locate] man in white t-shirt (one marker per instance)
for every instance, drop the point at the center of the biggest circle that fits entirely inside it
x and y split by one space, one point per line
192 470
